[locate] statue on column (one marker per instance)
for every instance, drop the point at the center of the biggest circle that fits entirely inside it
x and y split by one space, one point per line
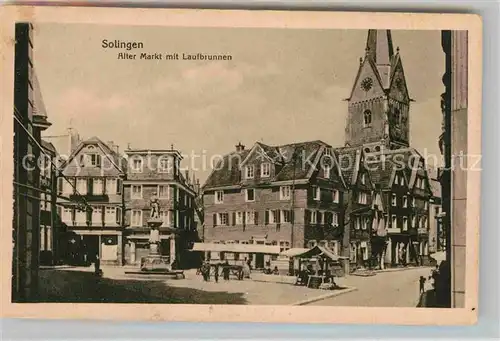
155 207
154 223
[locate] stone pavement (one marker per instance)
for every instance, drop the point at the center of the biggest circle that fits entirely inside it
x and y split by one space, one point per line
80 285
385 289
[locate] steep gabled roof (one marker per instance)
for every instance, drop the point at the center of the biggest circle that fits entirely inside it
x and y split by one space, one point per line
348 162
303 151
299 163
117 160
49 147
227 171
382 173
375 72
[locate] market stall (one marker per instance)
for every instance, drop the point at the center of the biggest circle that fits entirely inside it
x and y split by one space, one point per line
317 267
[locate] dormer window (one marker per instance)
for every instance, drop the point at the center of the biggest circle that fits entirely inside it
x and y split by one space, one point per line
405 201
95 160
249 172
396 180
265 170
363 179
367 118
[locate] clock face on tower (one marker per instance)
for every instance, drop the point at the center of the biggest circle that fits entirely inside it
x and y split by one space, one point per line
367 83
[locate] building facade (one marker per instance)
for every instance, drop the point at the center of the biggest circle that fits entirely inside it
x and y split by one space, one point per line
436 235
156 174
290 196
91 202
50 222
453 178
26 205
389 190
30 119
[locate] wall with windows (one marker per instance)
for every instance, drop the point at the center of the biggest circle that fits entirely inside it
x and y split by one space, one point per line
172 200
162 166
233 215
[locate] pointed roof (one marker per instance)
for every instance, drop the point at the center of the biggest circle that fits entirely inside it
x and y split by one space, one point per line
39 110
48 146
379 47
227 172
116 159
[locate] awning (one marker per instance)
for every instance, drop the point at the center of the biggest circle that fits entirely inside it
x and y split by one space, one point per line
237 248
315 251
293 252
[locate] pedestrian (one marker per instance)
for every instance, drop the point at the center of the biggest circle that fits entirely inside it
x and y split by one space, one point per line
97 266
434 275
216 274
209 267
205 271
246 271
225 271
421 284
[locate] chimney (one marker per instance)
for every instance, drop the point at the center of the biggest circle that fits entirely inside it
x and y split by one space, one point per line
240 147
187 176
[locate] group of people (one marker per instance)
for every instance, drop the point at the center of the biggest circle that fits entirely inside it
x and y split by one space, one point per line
274 271
206 267
205 270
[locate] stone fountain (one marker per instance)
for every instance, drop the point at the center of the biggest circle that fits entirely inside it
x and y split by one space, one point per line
154 263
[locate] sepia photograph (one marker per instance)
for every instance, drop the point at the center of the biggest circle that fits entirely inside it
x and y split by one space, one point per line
241 166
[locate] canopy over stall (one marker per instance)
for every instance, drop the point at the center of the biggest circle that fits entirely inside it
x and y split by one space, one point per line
237 248
314 252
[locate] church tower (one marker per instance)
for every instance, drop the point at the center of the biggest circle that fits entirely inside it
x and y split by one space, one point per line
378 106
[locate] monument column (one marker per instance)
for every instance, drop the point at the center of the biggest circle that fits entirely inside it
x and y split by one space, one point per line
154 261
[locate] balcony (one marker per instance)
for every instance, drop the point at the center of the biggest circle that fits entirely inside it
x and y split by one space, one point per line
422 230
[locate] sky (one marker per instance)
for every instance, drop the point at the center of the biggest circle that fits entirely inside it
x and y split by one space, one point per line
281 86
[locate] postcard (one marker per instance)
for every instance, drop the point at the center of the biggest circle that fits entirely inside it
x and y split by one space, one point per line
232 165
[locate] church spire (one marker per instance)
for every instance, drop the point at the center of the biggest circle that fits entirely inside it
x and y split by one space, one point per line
379 46
380 51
